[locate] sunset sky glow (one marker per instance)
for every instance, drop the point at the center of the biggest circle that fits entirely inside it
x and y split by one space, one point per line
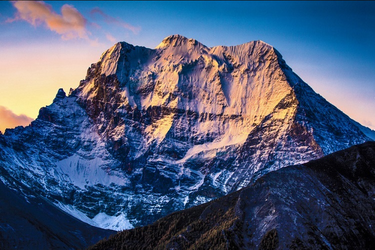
49 45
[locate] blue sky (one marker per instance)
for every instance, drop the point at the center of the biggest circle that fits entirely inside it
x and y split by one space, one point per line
330 45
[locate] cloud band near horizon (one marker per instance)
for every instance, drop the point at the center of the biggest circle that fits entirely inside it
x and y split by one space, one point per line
8 119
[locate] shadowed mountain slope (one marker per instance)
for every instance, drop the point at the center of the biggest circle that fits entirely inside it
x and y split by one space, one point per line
29 222
324 204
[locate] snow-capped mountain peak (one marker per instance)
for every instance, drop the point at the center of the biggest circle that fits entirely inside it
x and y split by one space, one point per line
178 41
152 131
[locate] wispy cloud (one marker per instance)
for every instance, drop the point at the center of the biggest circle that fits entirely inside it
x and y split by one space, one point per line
111 38
8 119
113 20
69 24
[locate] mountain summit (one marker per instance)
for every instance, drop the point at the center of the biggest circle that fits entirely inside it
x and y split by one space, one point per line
178 41
152 131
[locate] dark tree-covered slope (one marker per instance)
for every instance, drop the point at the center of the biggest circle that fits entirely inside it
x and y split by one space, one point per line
324 204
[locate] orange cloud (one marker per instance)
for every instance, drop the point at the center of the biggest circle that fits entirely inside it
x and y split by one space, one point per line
8 119
112 20
70 24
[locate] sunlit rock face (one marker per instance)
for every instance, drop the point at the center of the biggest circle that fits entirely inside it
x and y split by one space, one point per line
152 131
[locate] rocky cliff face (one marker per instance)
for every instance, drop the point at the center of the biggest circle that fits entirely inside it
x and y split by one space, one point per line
324 204
152 131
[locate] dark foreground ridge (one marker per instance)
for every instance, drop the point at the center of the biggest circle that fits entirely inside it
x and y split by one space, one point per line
324 204
33 223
